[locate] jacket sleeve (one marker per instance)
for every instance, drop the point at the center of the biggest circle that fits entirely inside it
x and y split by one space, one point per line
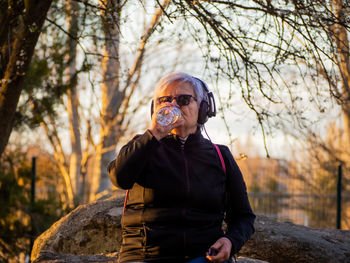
239 215
131 160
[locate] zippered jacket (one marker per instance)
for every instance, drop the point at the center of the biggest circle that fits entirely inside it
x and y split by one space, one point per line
179 196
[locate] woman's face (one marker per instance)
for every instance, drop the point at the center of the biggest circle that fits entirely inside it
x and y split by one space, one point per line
189 112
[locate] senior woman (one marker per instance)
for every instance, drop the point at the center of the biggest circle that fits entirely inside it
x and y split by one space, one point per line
181 185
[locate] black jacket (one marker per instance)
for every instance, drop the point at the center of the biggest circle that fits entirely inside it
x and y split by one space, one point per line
177 201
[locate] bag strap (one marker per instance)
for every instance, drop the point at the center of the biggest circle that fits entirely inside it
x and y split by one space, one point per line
221 160
126 198
220 156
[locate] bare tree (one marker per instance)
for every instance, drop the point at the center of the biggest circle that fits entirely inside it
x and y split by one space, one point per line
269 50
116 92
277 52
116 95
73 99
340 35
314 172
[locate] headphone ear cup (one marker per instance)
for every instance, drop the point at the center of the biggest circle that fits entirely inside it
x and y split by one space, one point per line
211 106
152 105
203 112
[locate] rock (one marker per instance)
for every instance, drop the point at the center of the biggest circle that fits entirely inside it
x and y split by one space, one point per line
92 233
249 260
49 257
88 230
286 242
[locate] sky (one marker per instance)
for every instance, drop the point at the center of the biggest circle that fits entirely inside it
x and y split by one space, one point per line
241 121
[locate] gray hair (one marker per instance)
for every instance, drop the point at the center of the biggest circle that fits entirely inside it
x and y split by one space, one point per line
181 77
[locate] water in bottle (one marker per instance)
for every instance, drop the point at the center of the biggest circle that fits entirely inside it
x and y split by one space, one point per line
168 115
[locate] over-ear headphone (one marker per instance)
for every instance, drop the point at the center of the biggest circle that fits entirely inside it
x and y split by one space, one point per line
207 108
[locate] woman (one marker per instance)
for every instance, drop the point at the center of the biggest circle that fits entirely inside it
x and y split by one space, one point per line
179 190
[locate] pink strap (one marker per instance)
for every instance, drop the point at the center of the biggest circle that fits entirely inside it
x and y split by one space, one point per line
126 198
220 156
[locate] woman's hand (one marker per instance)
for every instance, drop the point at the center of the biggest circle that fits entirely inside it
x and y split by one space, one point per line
222 248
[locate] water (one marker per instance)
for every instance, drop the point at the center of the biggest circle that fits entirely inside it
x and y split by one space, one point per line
168 115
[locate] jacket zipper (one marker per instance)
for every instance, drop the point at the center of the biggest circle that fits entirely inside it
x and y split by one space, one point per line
188 192
186 173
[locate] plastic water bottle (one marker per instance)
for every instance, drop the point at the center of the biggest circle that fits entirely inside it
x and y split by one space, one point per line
168 115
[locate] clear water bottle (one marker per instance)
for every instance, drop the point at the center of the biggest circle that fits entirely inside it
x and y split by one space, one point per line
168 115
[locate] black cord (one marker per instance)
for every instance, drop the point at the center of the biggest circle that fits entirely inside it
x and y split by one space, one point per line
205 130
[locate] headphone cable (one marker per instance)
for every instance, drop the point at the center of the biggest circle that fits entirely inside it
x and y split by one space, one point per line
205 130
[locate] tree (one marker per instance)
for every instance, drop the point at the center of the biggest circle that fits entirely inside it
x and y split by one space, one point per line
269 51
21 23
314 169
73 99
119 82
282 55
115 95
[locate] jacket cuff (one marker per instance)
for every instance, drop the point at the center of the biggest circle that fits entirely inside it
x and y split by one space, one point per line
234 249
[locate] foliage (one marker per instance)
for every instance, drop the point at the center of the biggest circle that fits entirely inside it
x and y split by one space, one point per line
20 220
15 200
21 24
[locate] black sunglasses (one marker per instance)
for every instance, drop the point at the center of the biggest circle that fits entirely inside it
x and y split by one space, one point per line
181 100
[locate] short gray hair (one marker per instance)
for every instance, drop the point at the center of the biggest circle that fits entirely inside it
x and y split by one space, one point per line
181 77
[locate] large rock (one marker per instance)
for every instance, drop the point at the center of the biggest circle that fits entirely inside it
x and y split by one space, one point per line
50 257
285 242
54 257
92 233
89 229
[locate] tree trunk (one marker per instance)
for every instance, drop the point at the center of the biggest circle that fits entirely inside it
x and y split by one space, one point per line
20 51
115 101
73 100
343 61
61 161
111 96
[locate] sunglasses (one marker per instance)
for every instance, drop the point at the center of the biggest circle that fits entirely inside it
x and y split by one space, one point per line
181 100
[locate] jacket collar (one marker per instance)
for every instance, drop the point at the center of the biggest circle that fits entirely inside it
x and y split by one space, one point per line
193 138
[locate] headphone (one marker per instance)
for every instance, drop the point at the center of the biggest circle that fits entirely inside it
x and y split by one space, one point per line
207 108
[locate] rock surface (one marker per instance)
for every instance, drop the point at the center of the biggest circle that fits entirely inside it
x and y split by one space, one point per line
92 233
53 257
286 242
89 229
49 257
